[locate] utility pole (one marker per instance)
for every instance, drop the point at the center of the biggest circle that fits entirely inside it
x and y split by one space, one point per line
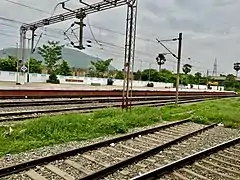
149 73
178 65
29 56
17 53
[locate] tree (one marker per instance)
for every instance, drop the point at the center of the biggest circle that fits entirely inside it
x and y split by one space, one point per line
150 75
64 69
119 75
138 75
197 77
8 64
236 67
35 66
187 68
230 81
100 68
160 60
53 79
167 76
52 54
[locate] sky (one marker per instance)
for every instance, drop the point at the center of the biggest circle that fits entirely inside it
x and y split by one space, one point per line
210 30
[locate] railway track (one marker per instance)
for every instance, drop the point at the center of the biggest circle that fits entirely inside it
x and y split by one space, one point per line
219 162
164 147
47 102
33 112
66 93
104 156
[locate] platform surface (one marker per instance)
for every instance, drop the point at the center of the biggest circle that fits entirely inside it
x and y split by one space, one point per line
45 86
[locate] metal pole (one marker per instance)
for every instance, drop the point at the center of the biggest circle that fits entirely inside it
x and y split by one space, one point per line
17 64
178 65
149 73
29 56
32 45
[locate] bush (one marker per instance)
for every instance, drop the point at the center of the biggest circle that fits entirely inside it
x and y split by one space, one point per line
150 85
53 79
110 82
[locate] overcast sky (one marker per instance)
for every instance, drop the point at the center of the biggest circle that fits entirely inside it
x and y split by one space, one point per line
210 30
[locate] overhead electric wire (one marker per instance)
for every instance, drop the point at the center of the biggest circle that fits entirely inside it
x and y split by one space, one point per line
92 32
52 29
27 6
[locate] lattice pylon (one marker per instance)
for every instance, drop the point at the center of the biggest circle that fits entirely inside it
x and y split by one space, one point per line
129 52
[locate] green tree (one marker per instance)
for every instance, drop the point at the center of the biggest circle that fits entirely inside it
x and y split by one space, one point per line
187 68
230 81
150 75
160 60
197 77
8 64
64 69
138 75
35 66
184 79
119 75
167 76
100 68
52 54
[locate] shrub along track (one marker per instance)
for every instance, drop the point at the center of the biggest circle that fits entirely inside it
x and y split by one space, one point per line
28 110
105 156
127 156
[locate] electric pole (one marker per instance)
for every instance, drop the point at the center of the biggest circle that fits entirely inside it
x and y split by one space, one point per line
17 77
178 65
29 56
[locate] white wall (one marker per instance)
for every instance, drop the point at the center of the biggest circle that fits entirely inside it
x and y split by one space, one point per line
41 78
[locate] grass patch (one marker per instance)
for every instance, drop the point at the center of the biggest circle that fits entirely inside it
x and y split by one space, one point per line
226 111
77 127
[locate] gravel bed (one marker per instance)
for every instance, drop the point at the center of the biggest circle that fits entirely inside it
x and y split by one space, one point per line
48 107
104 156
217 169
137 145
205 140
16 177
89 165
13 159
68 169
47 173
202 172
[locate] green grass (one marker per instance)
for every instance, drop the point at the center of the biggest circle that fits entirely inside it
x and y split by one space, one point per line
77 127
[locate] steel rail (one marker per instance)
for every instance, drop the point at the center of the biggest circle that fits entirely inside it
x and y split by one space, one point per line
187 160
91 100
27 165
109 170
38 93
87 109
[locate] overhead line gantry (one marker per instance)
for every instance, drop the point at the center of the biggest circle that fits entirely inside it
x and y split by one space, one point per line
80 14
